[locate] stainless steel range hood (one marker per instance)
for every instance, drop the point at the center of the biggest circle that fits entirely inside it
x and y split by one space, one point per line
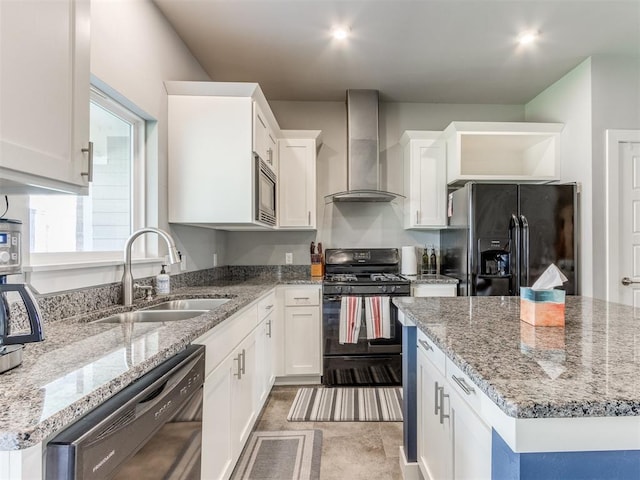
363 151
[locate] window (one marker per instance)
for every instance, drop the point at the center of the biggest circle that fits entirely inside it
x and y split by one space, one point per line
103 220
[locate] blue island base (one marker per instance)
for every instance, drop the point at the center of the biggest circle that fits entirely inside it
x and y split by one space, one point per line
610 465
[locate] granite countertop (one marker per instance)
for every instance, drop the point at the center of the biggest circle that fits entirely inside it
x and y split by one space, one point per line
588 368
81 364
424 278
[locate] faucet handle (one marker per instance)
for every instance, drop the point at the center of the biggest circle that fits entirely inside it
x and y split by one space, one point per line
146 288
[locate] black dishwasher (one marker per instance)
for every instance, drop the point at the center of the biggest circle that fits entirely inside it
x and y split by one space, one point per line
151 429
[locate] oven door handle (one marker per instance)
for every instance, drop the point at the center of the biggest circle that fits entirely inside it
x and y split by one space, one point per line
333 298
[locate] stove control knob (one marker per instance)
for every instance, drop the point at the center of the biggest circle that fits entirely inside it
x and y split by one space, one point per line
383 288
338 289
393 288
349 289
4 257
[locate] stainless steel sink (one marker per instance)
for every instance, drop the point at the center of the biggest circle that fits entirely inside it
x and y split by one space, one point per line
151 316
190 304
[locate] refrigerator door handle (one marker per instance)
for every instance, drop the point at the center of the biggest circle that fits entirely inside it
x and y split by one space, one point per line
514 254
525 250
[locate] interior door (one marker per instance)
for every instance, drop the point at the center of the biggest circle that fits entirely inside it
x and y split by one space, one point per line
629 225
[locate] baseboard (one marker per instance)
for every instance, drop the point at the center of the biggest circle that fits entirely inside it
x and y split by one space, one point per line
410 470
299 380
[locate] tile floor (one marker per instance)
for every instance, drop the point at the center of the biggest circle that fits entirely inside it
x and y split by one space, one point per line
350 450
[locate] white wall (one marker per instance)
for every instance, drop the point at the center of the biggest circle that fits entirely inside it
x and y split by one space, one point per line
361 224
133 51
615 105
599 94
568 101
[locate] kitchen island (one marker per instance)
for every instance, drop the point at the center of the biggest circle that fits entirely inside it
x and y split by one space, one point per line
554 402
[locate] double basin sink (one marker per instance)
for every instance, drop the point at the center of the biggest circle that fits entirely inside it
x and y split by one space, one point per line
170 311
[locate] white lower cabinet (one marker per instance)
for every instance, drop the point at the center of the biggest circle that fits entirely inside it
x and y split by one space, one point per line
239 375
453 441
434 290
264 358
302 331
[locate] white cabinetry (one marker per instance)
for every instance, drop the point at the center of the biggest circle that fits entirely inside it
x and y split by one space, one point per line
238 377
434 290
265 143
425 180
503 152
44 92
297 179
265 349
453 441
212 168
302 330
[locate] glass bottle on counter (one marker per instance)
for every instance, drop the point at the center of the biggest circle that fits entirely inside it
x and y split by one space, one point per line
425 261
433 262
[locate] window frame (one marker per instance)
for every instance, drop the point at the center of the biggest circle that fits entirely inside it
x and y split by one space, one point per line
138 213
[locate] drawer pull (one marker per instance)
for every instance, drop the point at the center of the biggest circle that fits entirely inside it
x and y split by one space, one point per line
442 397
269 307
239 373
301 298
425 345
463 385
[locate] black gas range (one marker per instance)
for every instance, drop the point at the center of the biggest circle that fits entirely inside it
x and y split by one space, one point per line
364 274
373 271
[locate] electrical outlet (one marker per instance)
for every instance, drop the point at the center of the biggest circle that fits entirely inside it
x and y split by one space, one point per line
288 258
183 263
215 259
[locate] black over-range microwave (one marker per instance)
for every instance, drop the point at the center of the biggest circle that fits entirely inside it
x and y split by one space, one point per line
265 193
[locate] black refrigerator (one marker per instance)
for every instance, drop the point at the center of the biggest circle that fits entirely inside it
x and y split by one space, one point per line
503 236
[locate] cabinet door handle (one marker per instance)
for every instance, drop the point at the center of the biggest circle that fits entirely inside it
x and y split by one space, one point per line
463 385
269 331
425 345
89 172
239 372
436 390
417 216
442 397
309 218
244 357
270 152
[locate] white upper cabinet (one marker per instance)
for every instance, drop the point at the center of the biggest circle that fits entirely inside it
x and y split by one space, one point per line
502 152
44 96
265 143
297 179
425 180
212 167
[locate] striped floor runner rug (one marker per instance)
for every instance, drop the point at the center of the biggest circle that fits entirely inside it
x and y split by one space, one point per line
347 405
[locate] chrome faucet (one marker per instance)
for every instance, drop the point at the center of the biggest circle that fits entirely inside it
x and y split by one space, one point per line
127 278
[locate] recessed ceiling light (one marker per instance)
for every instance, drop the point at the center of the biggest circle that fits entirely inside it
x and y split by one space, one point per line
340 33
529 37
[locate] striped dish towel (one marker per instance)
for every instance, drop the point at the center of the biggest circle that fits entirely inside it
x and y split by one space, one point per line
350 314
378 317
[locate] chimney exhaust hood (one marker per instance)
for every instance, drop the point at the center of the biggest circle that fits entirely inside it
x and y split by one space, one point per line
363 151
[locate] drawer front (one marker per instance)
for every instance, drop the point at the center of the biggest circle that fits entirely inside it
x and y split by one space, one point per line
462 384
266 306
224 338
434 290
301 296
433 353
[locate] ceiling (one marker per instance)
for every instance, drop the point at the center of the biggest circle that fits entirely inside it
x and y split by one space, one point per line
433 51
